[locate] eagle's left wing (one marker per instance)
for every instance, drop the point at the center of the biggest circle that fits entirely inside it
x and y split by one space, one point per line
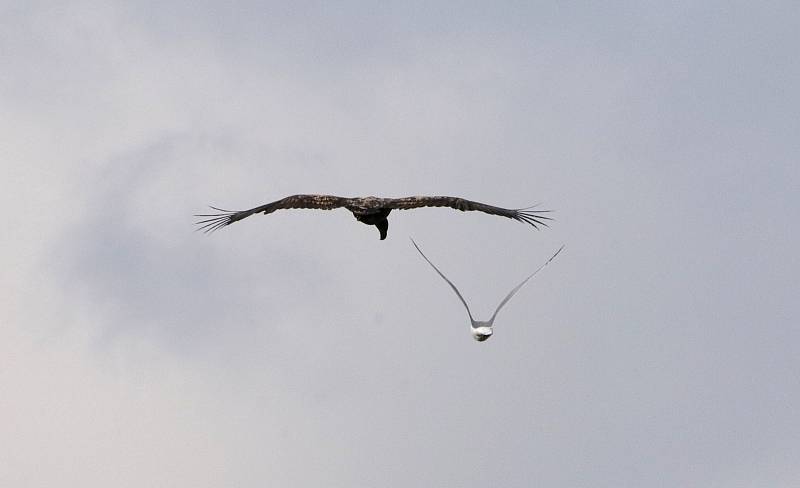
227 217
526 215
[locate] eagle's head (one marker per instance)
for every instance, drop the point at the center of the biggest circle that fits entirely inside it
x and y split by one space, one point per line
480 334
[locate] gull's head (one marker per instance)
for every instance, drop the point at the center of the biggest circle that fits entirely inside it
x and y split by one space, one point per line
480 334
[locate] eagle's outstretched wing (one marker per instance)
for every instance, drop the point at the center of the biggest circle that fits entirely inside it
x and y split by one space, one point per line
227 217
526 215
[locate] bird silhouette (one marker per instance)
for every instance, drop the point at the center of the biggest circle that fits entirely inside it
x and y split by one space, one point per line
370 210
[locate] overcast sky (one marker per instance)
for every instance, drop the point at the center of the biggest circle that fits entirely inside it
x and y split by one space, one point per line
660 349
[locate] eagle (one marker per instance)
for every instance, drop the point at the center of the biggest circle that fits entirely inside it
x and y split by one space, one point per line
483 329
370 210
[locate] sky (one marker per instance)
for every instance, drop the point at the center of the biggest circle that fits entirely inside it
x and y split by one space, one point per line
659 349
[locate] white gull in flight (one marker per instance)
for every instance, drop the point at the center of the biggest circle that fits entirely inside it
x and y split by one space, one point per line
482 329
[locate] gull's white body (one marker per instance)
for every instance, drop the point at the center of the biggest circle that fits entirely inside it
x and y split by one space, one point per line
483 329
481 333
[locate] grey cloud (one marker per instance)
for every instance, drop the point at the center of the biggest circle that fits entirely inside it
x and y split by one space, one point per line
297 349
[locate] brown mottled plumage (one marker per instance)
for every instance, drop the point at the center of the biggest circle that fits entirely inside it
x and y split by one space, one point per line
370 210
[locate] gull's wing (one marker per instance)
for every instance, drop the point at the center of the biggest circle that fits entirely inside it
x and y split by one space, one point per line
526 215
516 288
227 217
448 281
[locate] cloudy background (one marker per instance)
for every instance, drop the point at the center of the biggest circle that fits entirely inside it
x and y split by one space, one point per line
660 349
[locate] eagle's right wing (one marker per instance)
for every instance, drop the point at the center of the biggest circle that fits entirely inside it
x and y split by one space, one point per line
526 215
227 217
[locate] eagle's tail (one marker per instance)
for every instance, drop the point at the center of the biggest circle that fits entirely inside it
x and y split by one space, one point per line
383 227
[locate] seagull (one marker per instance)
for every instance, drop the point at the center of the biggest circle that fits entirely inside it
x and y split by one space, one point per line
482 329
369 210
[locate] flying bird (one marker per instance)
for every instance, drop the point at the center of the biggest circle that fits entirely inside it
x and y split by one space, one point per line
370 210
483 329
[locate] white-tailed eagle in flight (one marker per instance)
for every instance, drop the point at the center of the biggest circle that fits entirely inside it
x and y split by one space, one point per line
370 210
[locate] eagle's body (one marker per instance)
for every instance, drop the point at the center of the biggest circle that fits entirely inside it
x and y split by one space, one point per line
370 210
